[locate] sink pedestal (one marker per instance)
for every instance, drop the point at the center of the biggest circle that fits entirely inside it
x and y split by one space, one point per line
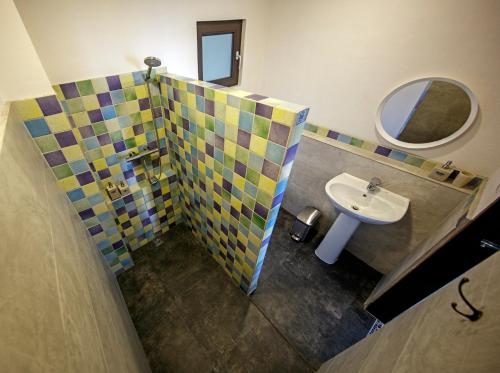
339 233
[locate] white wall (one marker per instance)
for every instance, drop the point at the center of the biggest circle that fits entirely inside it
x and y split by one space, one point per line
85 39
342 57
21 72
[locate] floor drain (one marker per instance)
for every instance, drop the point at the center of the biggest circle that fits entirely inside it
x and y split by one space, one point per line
354 207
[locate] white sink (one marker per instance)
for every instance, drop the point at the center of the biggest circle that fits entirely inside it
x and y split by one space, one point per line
357 204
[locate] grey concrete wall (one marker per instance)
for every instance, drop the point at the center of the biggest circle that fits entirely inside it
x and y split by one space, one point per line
380 246
61 309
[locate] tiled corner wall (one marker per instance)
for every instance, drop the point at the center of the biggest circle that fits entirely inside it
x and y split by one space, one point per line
406 159
233 152
84 133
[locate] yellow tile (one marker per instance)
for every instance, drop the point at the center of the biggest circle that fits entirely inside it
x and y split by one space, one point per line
90 189
90 102
239 182
58 122
230 148
236 203
141 91
112 125
284 116
100 85
191 100
58 91
100 164
232 115
141 139
28 109
115 169
220 96
146 116
69 183
73 153
81 119
128 132
127 80
133 106
267 185
258 145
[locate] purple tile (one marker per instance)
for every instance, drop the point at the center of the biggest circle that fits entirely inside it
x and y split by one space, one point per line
69 90
86 214
264 110
277 200
133 213
226 185
85 178
219 142
86 131
143 103
279 133
270 170
157 112
246 211
209 107
66 138
95 116
176 94
96 229
240 168
138 129
243 139
332 134
114 82
209 150
104 139
55 158
104 174
260 210
290 154
104 99
49 105
383 151
128 174
126 224
200 91
119 146
256 97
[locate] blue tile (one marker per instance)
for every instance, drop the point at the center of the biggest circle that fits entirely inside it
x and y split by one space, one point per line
79 166
91 143
395 154
112 160
344 139
108 112
138 77
95 199
37 127
117 96
75 195
246 120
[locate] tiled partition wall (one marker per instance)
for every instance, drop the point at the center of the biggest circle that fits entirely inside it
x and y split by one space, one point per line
233 152
84 133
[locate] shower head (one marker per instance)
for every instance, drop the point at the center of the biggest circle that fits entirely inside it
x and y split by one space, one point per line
151 62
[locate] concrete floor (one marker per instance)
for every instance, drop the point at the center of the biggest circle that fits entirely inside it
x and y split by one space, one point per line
190 317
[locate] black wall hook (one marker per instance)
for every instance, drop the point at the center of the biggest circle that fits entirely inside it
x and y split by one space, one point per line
476 314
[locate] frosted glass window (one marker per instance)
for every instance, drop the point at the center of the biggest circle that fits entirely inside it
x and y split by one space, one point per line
217 56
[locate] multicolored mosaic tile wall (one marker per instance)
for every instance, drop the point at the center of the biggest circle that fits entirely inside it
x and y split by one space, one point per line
85 133
394 154
233 152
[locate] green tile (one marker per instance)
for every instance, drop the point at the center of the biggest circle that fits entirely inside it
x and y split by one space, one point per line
241 154
47 143
116 136
220 111
357 142
209 123
228 161
244 220
414 161
275 153
247 105
85 87
99 128
75 105
130 94
156 101
62 171
257 220
130 143
264 198
261 126
209 93
149 126
218 167
253 176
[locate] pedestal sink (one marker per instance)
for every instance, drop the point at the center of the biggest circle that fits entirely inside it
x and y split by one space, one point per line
357 204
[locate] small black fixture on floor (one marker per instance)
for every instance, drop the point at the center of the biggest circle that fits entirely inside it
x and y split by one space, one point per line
304 222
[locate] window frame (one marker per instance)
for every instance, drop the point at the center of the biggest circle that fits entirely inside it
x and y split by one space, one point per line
235 27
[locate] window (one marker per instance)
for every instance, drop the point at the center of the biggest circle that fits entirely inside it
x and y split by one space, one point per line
219 56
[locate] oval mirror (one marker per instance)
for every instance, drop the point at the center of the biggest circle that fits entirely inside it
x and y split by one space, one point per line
426 113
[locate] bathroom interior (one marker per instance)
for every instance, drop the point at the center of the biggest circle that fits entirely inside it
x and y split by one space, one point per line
249 186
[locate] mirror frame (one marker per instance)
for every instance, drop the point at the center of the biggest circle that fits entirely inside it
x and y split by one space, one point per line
468 123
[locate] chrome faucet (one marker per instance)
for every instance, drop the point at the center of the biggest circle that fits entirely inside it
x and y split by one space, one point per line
374 183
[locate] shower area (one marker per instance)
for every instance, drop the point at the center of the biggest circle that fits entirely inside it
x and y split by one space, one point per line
142 152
